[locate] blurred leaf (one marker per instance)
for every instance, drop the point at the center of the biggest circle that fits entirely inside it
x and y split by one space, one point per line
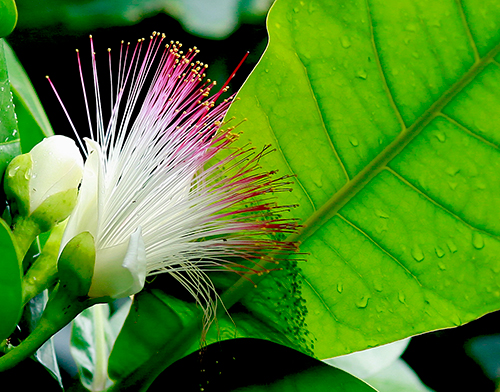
382 368
364 364
46 354
485 350
93 334
147 334
33 122
9 137
8 17
254 365
397 377
387 113
10 283
215 20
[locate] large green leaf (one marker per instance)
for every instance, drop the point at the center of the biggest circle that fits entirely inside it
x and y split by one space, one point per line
231 366
33 122
9 136
10 283
387 113
8 17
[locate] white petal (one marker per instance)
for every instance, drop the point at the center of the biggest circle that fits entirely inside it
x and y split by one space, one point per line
57 166
85 216
120 270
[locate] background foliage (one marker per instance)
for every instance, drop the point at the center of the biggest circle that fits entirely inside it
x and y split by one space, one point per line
386 115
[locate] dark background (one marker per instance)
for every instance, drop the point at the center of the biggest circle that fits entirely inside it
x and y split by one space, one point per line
439 358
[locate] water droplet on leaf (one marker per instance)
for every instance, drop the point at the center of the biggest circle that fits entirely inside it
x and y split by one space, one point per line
340 287
363 302
440 136
362 74
439 252
353 141
477 240
451 246
401 297
381 214
417 254
345 41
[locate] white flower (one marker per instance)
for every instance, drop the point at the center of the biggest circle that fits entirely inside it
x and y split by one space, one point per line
148 198
45 177
57 167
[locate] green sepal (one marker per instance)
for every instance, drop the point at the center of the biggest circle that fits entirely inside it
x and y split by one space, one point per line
8 17
43 273
10 283
55 209
16 183
76 264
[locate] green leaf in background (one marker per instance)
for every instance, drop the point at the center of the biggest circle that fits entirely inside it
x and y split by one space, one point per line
10 283
382 368
217 21
9 136
8 17
255 365
387 112
93 334
156 324
32 120
46 354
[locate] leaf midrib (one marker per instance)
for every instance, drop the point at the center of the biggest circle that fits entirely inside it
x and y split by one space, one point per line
357 183
322 215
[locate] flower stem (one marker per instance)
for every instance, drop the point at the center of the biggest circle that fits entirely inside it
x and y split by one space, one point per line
42 274
102 354
60 310
25 231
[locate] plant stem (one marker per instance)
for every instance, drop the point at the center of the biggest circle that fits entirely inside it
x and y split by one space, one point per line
60 310
43 272
25 231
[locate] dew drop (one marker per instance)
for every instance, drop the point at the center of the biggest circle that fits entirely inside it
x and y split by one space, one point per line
401 297
381 214
363 302
451 246
354 141
415 55
417 254
477 240
452 170
345 42
362 74
442 266
439 252
440 136
453 185
340 287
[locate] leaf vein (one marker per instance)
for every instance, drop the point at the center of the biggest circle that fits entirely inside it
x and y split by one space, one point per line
323 124
385 251
405 181
387 89
467 30
278 148
469 131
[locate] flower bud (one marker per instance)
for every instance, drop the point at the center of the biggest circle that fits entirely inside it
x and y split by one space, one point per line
43 184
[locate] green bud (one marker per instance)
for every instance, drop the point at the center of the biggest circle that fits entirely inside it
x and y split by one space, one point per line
76 264
43 184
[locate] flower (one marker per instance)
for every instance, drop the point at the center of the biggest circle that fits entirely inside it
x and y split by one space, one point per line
48 175
148 196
